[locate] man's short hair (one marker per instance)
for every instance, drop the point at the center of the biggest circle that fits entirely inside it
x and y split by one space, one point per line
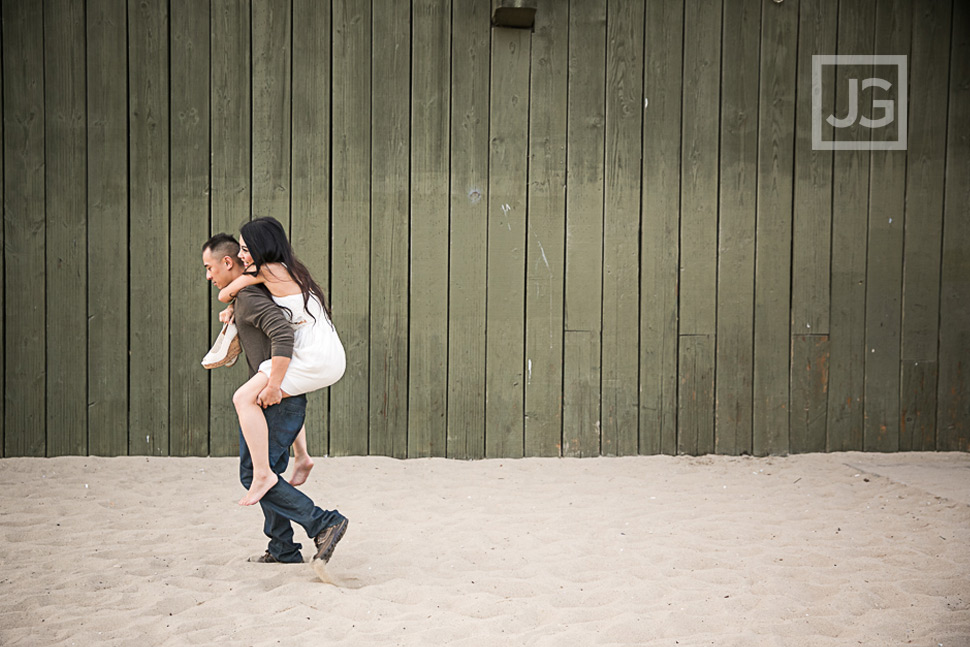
222 245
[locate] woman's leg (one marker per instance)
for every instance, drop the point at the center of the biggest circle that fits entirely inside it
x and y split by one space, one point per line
253 425
302 463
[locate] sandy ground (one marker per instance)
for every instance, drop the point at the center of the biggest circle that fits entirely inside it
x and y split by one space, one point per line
837 549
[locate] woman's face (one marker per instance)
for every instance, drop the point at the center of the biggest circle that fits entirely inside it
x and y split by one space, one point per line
244 255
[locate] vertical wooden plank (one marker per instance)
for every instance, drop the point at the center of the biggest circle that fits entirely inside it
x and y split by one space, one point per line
585 137
809 381
66 186
189 307
812 223
811 238
917 415
24 229
884 260
390 145
929 69
2 280
621 227
271 109
430 101
772 314
696 394
148 150
660 225
231 186
469 227
546 234
849 215
351 168
310 172
698 231
953 413
505 306
736 226
107 227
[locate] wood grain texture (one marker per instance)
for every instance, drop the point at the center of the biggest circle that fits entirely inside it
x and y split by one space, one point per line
776 143
698 225
953 407
584 228
812 218
470 72
505 302
189 294
107 240
619 393
272 109
65 163
24 226
310 174
850 208
148 200
231 181
929 70
660 225
430 199
809 381
350 225
737 204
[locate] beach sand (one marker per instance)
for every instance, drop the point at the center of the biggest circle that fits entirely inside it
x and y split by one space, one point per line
818 549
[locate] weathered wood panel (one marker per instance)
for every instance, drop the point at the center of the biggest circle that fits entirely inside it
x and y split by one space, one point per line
584 228
811 238
188 383
470 72
929 70
350 226
546 234
776 143
24 229
65 162
2 279
231 179
850 208
108 217
148 201
884 258
809 382
310 174
659 225
953 411
698 222
430 198
619 393
505 302
272 109
737 205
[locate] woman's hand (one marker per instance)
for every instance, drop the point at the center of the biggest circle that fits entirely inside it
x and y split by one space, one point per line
226 315
269 396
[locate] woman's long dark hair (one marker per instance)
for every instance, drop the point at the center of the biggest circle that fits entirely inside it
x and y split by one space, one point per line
267 243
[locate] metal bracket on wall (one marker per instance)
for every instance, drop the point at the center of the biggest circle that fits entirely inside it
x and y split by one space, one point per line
519 14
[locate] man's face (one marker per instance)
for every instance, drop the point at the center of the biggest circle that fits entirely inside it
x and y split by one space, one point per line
221 271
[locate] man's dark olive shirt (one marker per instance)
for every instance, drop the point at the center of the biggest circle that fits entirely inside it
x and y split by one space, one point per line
263 330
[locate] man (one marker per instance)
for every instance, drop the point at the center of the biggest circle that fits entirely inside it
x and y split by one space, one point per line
264 333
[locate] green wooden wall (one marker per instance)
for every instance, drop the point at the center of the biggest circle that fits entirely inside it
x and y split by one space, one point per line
609 235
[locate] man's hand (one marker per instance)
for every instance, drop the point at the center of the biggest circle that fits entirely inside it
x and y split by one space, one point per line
269 396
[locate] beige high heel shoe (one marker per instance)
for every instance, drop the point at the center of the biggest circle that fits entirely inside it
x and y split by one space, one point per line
225 351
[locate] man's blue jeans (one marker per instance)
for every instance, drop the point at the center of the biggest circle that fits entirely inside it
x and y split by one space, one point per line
284 503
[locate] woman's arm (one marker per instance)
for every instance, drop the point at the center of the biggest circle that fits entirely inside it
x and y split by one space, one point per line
229 292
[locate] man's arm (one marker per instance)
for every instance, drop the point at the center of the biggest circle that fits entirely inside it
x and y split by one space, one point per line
256 308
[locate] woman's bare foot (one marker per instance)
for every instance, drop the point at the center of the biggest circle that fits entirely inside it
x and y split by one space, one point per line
301 470
261 485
